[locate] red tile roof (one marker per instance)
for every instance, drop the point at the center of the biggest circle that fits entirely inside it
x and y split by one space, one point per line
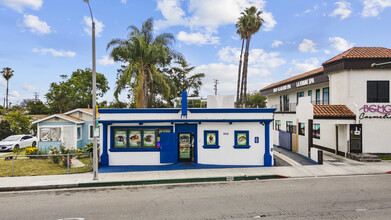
333 112
294 78
362 52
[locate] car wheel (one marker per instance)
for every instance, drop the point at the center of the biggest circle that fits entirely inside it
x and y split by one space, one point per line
34 144
16 147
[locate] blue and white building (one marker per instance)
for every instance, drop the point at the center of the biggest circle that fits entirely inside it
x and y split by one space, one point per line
221 136
72 129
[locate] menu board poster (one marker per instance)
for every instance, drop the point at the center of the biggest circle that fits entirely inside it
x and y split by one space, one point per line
184 146
241 139
120 138
134 138
211 138
149 138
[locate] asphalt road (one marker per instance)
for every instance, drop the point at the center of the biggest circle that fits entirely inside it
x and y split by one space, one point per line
353 197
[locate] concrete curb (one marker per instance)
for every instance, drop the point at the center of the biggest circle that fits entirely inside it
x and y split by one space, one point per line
140 182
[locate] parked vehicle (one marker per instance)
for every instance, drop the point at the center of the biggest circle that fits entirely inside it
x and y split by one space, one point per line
18 141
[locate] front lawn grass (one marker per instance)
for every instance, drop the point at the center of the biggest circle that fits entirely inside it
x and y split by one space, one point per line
385 157
34 167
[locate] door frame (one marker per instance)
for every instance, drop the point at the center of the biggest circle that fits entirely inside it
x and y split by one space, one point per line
188 128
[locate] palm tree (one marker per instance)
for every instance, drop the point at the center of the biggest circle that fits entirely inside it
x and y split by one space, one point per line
241 32
143 54
7 74
249 23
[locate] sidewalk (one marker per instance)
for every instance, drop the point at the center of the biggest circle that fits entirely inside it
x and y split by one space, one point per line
191 175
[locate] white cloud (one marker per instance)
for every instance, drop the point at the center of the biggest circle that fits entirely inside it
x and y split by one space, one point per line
277 43
20 5
197 38
29 87
327 51
340 44
307 46
300 67
106 60
343 10
123 1
207 16
372 8
55 53
2 81
88 26
309 10
36 26
14 94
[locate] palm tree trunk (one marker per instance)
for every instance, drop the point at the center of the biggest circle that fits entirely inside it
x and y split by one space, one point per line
239 70
7 95
245 69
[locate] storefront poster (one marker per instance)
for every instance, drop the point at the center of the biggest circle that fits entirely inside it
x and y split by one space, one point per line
211 138
134 138
149 138
241 138
120 139
184 146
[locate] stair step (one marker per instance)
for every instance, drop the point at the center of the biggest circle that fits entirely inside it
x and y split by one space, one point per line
364 157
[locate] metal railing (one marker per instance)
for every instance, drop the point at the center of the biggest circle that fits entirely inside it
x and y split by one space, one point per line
61 158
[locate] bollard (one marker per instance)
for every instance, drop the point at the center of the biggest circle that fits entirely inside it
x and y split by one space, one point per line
68 163
12 165
320 157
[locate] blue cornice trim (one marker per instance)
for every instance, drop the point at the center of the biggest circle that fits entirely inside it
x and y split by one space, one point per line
233 110
185 121
139 110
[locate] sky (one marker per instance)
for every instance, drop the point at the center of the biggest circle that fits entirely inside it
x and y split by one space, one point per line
43 39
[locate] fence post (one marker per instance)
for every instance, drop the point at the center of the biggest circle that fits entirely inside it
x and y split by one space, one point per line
68 163
12 165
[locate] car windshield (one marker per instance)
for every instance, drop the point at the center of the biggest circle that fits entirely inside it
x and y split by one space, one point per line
12 138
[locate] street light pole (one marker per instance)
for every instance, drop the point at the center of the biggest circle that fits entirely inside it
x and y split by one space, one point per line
94 124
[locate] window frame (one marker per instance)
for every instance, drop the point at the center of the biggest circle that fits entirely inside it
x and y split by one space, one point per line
317 97
376 99
310 95
288 126
215 146
90 134
299 94
77 133
316 133
328 96
236 145
141 128
301 132
50 128
277 126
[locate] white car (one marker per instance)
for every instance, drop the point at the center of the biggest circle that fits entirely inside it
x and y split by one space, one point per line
18 141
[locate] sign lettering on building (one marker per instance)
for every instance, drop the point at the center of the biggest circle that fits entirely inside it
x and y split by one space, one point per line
384 110
282 88
305 82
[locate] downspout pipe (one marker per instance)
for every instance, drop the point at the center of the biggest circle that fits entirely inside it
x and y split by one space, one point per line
374 65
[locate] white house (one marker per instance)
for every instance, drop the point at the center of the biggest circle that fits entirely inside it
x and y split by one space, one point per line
346 100
221 136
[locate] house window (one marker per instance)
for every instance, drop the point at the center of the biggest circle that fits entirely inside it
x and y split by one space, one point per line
289 126
299 94
278 125
326 96
138 138
79 133
316 131
80 114
310 94
91 132
50 134
378 91
285 102
317 97
241 139
302 129
211 139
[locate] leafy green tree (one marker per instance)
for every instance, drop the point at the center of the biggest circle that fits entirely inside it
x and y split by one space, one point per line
75 92
249 23
37 107
2 111
144 54
5 129
256 100
181 79
19 123
7 74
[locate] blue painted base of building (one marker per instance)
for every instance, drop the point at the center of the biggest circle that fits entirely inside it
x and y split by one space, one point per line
177 166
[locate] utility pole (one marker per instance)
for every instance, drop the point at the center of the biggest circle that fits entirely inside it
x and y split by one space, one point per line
36 96
216 82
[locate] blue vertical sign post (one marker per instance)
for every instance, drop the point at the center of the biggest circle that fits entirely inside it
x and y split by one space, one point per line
184 104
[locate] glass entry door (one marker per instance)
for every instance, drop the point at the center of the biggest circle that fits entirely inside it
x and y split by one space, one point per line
356 138
186 147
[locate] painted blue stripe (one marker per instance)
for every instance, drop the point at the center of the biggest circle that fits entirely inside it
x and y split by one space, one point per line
267 158
138 110
104 159
233 110
186 121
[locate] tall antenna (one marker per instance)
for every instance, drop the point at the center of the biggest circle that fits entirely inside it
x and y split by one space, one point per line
216 82
36 96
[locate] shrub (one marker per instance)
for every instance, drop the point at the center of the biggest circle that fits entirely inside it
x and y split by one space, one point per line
89 147
31 151
55 157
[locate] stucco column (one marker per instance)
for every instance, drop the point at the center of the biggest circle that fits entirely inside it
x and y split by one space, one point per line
104 160
267 158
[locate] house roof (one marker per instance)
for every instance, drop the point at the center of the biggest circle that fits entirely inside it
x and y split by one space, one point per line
85 110
62 116
333 112
294 78
362 53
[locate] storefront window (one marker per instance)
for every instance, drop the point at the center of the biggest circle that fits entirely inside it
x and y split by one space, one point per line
149 139
316 131
310 94
138 138
134 138
317 97
120 138
325 96
278 125
289 126
50 134
378 91
299 94
242 139
301 129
